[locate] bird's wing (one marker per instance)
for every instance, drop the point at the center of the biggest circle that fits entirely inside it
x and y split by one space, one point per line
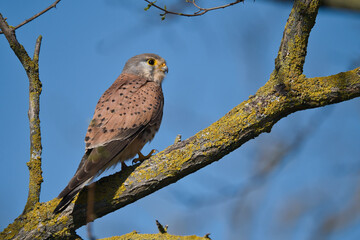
126 109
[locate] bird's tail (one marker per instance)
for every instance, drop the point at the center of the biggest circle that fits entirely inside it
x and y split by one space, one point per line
77 182
67 196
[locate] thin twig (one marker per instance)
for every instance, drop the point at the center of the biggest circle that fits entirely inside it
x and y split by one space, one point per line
36 15
201 11
8 31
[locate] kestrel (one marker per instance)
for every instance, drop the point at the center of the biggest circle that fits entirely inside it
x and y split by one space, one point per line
126 117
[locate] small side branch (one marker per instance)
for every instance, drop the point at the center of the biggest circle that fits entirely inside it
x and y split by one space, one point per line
37 49
34 165
199 12
35 16
31 67
293 48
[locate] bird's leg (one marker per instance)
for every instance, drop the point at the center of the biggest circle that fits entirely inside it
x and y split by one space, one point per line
142 157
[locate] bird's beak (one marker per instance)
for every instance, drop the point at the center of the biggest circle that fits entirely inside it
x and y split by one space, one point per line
164 68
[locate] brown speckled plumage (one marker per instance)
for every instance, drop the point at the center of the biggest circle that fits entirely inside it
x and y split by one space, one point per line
126 117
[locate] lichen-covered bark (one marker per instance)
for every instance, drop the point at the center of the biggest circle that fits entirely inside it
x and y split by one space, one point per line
291 56
34 164
165 236
31 67
286 92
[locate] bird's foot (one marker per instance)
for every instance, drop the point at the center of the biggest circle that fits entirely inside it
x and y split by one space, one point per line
141 157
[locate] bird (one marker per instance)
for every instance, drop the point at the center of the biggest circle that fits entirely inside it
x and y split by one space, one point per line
126 117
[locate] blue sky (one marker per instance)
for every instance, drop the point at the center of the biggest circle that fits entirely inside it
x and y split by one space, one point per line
215 62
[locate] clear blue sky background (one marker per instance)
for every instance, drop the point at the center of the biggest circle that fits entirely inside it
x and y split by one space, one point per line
215 62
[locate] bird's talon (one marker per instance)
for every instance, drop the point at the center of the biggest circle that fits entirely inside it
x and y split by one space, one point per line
141 157
135 160
152 152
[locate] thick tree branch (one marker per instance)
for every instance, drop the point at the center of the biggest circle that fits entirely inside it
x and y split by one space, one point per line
35 16
32 70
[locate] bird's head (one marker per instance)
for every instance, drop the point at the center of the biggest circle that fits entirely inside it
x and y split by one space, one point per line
148 65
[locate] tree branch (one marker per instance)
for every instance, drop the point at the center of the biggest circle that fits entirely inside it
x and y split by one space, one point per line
35 16
32 70
353 5
348 4
37 49
201 11
161 236
291 56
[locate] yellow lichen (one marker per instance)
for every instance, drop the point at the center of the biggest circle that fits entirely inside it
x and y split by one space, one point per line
163 236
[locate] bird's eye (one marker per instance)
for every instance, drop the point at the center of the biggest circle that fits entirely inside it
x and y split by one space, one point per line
151 61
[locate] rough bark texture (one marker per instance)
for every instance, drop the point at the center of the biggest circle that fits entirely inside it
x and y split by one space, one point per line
286 92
